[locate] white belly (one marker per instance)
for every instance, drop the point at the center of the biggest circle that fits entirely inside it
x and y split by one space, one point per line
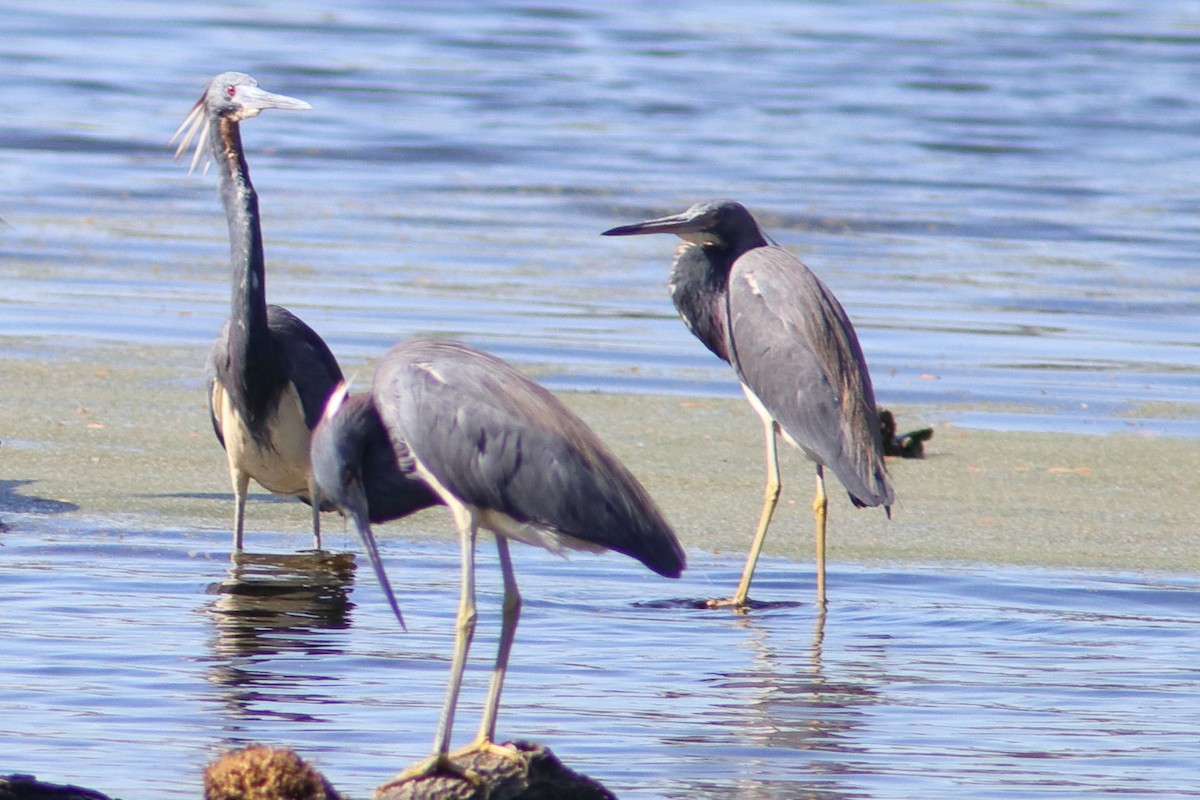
283 469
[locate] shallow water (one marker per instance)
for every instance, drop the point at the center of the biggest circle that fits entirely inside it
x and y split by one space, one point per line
151 653
1002 194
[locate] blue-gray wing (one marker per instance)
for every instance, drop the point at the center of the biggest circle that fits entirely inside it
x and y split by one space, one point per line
795 348
310 365
496 440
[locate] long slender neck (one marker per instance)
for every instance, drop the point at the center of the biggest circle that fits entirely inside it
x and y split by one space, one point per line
700 278
251 349
249 299
699 283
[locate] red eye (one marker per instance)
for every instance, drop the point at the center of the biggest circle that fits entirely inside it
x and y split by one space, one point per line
231 90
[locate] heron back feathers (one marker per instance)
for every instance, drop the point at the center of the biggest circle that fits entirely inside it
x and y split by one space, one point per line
501 443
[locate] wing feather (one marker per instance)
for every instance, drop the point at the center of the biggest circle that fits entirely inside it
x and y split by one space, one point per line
498 441
309 363
794 347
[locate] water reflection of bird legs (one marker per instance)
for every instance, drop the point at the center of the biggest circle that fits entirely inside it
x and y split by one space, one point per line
271 605
787 700
818 640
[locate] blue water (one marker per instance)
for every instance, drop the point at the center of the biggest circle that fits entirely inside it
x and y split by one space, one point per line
1001 194
151 653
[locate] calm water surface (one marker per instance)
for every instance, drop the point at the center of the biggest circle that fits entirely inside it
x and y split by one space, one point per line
1003 194
151 653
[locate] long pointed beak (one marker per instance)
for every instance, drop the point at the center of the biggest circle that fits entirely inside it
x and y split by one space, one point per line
260 99
686 222
368 539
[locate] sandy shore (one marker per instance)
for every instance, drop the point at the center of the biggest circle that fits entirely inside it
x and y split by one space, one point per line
120 438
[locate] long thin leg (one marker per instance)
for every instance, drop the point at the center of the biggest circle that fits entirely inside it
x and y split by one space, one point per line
770 501
508 630
316 511
485 740
820 511
464 631
241 485
440 761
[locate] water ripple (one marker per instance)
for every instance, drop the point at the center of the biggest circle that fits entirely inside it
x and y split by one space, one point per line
944 170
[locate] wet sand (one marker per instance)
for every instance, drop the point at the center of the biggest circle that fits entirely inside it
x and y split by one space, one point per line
120 438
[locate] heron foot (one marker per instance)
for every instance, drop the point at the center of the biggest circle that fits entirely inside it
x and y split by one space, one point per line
744 605
438 764
482 746
740 605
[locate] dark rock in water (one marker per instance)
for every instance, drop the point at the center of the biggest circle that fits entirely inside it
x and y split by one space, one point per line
261 772
536 774
904 445
27 787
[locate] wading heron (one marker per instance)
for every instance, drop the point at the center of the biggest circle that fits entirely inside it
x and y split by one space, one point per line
269 374
761 310
505 455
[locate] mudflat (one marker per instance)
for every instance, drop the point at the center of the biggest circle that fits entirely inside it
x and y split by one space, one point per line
120 438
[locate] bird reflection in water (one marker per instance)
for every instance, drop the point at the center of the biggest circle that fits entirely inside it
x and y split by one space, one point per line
275 605
789 703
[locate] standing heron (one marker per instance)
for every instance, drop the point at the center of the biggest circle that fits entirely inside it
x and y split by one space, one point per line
761 310
505 455
269 374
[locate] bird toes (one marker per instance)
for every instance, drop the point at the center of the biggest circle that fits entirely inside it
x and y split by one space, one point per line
740 605
437 765
486 747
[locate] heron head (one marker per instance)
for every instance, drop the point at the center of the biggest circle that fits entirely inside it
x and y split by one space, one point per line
230 95
334 456
236 95
712 222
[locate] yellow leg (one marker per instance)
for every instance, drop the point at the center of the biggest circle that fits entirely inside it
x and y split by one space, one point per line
508 630
820 511
485 740
440 761
464 630
770 501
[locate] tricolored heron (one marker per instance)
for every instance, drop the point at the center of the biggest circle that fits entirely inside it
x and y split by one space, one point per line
269 374
505 455
761 310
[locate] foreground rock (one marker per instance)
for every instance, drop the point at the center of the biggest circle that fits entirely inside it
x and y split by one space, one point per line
261 772
27 787
537 775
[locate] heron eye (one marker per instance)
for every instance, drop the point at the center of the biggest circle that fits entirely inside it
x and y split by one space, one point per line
231 90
